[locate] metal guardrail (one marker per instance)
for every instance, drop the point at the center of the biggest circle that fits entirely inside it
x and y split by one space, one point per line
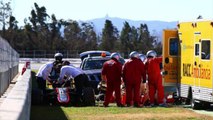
9 61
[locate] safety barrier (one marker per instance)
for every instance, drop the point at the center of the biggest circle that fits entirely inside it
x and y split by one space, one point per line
17 105
9 61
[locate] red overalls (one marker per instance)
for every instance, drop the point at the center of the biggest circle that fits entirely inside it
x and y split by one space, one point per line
155 79
133 72
112 70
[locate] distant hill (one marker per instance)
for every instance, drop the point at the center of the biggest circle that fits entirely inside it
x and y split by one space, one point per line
155 27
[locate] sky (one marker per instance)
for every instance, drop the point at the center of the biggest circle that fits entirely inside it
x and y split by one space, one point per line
163 10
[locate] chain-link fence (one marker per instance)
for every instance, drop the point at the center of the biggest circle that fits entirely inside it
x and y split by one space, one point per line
9 61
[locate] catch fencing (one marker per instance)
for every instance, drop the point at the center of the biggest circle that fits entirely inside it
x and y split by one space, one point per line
47 53
38 54
9 61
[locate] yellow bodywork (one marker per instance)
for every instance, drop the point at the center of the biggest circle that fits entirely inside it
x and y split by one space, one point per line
194 36
170 59
191 68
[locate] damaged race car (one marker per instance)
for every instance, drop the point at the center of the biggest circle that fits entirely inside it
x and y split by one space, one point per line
64 93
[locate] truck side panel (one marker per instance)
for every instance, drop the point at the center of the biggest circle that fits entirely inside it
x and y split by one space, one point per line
196 60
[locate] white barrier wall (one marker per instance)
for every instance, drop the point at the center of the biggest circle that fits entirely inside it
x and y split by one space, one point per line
9 61
17 105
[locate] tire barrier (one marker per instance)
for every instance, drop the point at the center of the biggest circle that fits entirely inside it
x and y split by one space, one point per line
9 61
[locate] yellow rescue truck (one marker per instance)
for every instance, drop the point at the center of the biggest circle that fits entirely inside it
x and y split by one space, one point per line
188 61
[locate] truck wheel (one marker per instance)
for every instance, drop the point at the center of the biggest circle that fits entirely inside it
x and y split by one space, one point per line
88 97
195 105
206 105
37 97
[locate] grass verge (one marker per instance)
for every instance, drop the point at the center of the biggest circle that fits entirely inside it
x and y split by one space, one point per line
56 112
113 113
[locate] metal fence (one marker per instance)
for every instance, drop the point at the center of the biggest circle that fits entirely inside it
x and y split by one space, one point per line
47 53
9 61
50 54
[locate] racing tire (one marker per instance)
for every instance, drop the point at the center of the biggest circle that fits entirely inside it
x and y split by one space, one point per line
88 97
37 97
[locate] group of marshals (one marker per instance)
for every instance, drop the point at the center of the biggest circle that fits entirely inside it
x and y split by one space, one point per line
135 71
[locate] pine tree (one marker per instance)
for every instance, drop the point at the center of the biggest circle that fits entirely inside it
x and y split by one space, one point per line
125 38
146 41
109 36
5 13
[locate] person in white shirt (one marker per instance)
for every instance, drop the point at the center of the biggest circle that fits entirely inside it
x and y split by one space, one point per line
43 75
80 78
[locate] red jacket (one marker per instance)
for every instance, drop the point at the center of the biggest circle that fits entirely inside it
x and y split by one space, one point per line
112 69
134 70
153 68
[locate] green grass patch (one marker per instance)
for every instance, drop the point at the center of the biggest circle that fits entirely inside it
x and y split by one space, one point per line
47 112
56 112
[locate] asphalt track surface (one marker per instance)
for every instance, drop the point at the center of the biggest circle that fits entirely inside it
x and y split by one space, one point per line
36 66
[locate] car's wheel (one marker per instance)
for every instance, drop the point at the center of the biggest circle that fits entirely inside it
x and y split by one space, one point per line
37 97
88 97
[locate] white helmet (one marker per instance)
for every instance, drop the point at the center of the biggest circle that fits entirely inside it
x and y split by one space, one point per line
115 55
58 57
151 53
142 57
134 54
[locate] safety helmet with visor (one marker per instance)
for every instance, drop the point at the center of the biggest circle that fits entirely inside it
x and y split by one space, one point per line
151 53
58 57
142 57
115 55
134 54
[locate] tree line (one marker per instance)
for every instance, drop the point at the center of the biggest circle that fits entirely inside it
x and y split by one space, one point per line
45 32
